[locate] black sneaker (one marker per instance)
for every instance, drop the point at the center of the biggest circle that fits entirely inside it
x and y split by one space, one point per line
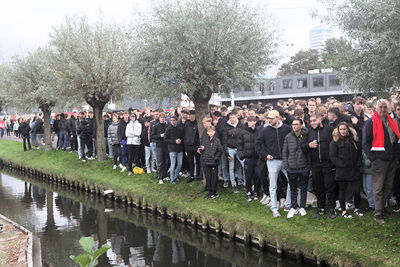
379 219
235 190
255 197
396 208
191 179
333 214
249 198
208 196
214 196
319 213
368 209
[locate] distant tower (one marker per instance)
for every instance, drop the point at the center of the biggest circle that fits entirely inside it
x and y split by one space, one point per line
319 35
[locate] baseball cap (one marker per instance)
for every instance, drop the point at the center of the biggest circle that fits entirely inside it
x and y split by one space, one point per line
273 114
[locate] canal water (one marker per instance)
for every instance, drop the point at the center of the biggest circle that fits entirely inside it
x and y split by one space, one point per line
60 217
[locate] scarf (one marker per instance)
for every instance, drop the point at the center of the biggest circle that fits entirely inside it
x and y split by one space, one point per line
378 142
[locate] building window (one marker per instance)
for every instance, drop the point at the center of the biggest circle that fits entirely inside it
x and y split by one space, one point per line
318 81
334 81
287 84
262 88
302 83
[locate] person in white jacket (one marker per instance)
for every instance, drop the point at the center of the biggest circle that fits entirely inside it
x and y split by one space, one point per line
132 132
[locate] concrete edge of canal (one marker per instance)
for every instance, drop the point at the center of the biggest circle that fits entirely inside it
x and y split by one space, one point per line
198 222
29 253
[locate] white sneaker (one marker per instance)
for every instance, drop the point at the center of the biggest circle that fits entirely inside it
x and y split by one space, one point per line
292 212
129 173
123 169
282 203
83 160
115 166
263 198
276 213
120 166
148 171
302 212
160 182
90 158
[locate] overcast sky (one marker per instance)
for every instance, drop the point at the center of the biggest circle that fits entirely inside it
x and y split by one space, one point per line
25 24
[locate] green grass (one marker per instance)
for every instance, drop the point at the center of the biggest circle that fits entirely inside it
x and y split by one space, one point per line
343 241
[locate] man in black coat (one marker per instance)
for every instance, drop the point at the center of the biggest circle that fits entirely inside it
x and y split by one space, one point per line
192 142
247 153
24 130
269 145
174 139
316 142
157 134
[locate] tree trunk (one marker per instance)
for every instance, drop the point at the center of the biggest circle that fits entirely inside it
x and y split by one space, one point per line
100 144
201 108
47 128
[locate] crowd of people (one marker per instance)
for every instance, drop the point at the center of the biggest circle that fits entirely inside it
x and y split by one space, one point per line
280 153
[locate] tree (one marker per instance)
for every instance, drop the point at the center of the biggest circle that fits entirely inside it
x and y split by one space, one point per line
373 27
32 83
198 48
94 62
334 53
301 63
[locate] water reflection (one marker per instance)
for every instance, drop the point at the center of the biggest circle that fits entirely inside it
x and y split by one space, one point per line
136 238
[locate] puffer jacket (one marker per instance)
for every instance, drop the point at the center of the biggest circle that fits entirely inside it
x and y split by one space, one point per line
84 130
323 135
270 141
63 125
24 129
171 135
133 131
246 143
345 153
294 157
156 132
112 133
191 135
211 155
230 135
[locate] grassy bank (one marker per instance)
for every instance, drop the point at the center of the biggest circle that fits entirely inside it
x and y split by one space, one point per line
343 241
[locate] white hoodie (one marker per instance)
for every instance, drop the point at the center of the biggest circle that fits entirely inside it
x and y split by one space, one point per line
132 132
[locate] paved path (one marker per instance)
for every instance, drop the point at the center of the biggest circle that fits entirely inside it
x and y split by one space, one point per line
13 246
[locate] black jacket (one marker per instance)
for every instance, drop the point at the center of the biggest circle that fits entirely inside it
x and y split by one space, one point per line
246 143
323 135
191 135
39 126
211 155
84 130
63 125
171 134
144 137
72 125
391 150
107 124
156 132
152 124
24 129
121 130
346 155
230 136
294 158
270 141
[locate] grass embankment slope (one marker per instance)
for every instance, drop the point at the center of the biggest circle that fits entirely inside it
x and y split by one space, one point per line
343 241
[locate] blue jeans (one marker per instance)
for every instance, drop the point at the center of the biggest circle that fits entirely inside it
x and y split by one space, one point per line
368 189
175 157
63 140
153 154
147 156
239 167
123 152
224 167
274 167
